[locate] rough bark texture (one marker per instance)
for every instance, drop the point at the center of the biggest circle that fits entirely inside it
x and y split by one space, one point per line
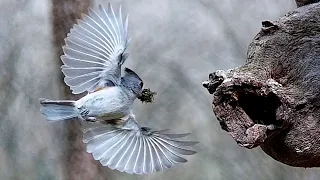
273 100
80 164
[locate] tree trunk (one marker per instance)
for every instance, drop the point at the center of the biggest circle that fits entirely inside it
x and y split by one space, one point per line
80 164
273 100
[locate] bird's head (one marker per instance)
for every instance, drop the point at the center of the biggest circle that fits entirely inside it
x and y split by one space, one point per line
132 81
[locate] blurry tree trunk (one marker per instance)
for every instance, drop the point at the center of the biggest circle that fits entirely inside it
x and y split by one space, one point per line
80 164
273 101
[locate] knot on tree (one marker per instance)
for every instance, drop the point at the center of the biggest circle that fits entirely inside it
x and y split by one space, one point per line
305 2
273 101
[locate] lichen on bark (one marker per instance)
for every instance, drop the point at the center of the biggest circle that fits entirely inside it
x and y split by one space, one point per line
273 100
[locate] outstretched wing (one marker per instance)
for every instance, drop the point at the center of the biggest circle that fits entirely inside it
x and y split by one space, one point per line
136 150
94 50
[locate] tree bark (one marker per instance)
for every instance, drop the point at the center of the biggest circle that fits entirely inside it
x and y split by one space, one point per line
80 164
273 100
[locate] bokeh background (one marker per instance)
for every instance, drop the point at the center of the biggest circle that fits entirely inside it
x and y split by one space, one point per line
175 45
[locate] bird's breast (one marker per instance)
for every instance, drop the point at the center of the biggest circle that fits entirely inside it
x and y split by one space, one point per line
107 103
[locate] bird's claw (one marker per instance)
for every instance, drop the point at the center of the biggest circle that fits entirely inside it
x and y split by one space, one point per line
84 112
91 119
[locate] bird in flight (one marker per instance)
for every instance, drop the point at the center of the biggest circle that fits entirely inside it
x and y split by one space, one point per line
94 52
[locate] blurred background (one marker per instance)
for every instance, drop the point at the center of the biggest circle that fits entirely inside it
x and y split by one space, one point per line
175 45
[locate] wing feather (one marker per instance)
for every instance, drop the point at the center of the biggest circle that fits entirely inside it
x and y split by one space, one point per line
75 72
87 41
130 164
126 155
85 48
139 162
164 159
136 150
147 161
94 50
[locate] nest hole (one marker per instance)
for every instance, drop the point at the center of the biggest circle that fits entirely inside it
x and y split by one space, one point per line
261 109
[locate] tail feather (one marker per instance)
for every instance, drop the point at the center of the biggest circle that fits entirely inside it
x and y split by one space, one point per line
58 110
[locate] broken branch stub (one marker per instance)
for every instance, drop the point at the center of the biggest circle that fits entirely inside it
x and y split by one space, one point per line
273 100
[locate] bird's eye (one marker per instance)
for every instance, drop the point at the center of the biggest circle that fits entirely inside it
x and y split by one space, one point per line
141 84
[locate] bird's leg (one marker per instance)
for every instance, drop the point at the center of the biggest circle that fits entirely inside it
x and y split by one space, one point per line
84 112
91 119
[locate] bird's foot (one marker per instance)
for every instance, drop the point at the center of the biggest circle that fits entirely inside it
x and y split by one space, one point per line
84 112
91 119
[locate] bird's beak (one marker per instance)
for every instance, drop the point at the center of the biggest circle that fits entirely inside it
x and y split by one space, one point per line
139 95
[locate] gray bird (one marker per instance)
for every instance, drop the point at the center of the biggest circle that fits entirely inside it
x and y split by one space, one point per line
93 55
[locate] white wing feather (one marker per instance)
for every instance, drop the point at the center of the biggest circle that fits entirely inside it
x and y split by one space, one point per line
136 150
94 50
